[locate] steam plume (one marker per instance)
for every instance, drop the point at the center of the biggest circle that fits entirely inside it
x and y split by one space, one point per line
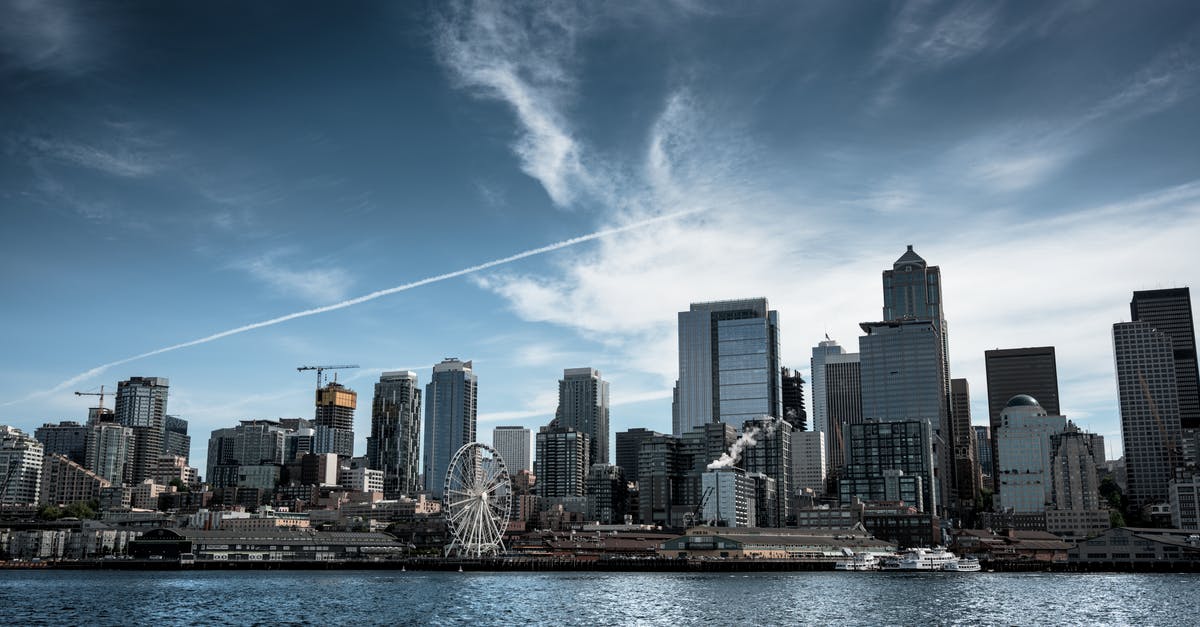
748 439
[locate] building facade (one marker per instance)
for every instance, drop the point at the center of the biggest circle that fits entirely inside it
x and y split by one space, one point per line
335 416
67 438
771 456
890 461
20 467
808 462
64 482
792 395
843 406
142 406
394 444
451 399
966 452
1011 372
512 443
1170 312
583 406
820 415
110 452
562 462
1023 467
176 440
983 444
629 444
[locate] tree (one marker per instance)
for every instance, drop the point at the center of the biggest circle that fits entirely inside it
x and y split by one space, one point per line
49 512
80 509
179 485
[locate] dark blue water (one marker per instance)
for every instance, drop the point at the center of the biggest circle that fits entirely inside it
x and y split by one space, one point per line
374 597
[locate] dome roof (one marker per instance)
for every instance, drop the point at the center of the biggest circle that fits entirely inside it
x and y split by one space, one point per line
1023 400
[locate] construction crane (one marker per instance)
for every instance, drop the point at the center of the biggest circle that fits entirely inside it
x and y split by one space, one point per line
321 369
100 411
698 513
12 469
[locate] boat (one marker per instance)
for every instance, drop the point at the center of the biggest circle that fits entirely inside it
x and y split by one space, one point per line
962 565
926 559
858 561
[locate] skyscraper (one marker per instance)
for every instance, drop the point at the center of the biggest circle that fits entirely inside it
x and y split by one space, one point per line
629 444
966 455
772 456
394 444
512 443
110 452
253 443
983 443
176 440
1014 371
1023 439
21 463
808 461
335 415
792 395
729 368
142 406
1170 312
450 410
561 464
66 438
912 290
843 405
583 406
1149 399
820 353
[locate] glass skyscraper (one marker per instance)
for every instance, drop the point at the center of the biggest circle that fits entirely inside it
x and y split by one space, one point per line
583 406
450 413
729 368
394 444
1170 312
142 405
1149 399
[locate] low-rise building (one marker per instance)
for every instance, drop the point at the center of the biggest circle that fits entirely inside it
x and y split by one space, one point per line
274 545
1011 546
813 545
1134 547
65 482
1185 503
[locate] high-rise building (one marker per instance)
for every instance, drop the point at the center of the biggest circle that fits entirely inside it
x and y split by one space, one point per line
792 395
1170 312
110 452
771 456
251 444
142 406
607 494
732 501
583 406
729 368
20 466
902 370
1011 372
1076 508
394 444
629 444
808 462
65 482
912 290
702 446
67 438
820 414
451 399
1023 467
335 412
176 440
512 443
890 461
983 444
966 453
843 405
1149 398
662 471
562 462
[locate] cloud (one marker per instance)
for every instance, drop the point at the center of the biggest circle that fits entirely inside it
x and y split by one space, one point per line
320 285
1168 78
930 38
45 35
122 161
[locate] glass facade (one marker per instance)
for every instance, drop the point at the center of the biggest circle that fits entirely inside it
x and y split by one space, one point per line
450 412
393 446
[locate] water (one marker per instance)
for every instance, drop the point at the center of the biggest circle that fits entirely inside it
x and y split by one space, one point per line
374 597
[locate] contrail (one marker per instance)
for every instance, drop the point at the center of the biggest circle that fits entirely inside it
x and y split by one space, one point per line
357 301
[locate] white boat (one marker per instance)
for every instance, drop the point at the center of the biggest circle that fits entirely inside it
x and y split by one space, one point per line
926 559
962 565
858 561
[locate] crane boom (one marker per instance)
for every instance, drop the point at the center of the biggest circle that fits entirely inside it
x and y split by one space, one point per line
321 369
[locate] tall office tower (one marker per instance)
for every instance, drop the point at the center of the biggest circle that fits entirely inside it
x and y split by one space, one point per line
1149 396
1015 371
65 482
843 406
66 438
983 444
966 453
253 443
512 443
728 363
629 444
110 452
395 441
1170 312
562 462
890 461
607 494
902 370
771 456
142 406
450 409
912 290
21 463
808 462
820 412
702 446
176 440
335 412
1023 439
792 395
662 471
583 406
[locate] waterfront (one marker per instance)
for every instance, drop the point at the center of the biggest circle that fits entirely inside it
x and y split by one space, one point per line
373 597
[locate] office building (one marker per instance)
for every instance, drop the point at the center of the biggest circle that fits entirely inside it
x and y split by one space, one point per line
771 456
629 444
394 444
67 438
176 440
512 444
1076 508
912 290
843 405
607 494
731 501
583 406
702 446
64 482
562 462
1185 503
792 395
238 452
1149 401
662 470
820 352
451 399
966 453
1014 371
808 462
1023 466
902 370
729 368
890 461
173 468
21 463
983 444
335 417
110 452
1169 311
142 406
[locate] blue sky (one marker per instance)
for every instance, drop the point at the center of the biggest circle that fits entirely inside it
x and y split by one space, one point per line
170 171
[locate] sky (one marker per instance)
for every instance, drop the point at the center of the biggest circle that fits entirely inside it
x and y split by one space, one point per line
171 172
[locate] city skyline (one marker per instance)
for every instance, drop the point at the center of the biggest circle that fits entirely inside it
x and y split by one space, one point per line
141 219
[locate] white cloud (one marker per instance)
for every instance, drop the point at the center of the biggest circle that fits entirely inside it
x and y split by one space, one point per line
45 35
318 285
122 160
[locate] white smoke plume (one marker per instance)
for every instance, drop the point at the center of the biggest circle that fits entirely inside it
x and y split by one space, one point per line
355 301
748 439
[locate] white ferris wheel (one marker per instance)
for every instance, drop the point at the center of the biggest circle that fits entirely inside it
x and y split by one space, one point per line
476 500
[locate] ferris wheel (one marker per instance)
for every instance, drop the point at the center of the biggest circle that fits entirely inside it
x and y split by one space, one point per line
476 500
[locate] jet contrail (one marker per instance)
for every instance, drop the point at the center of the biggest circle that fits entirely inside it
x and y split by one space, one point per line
356 301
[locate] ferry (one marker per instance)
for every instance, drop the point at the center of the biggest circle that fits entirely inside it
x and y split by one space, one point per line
926 559
962 565
858 561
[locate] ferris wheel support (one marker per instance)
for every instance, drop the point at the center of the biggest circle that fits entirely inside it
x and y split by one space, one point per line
476 501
